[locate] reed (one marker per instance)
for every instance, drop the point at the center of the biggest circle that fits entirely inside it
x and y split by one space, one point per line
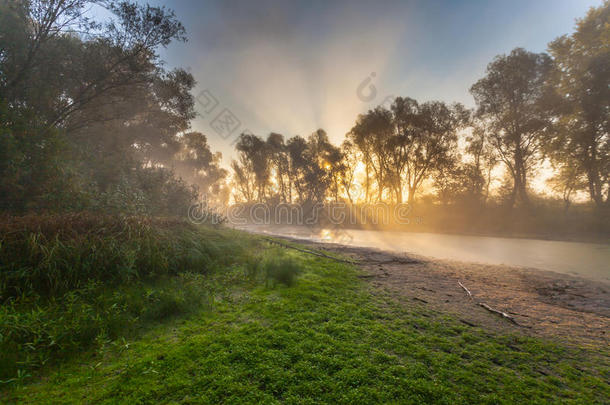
68 281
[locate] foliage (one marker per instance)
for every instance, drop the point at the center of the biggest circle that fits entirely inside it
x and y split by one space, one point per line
279 269
87 110
303 170
511 105
581 142
50 255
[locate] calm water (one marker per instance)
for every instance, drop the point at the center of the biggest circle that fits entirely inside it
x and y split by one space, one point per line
584 259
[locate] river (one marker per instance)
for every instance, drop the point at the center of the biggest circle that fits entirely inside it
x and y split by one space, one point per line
590 260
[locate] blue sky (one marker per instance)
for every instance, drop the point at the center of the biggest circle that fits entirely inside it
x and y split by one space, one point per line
293 67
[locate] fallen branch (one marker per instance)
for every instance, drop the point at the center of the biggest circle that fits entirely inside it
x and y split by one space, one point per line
502 314
467 290
487 307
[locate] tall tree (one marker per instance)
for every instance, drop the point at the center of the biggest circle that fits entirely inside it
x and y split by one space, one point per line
480 167
427 136
351 158
371 134
407 143
318 172
198 165
298 162
86 107
582 79
254 156
279 163
512 101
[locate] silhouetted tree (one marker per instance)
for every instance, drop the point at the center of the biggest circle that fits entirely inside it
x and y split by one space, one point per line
298 161
255 157
372 134
480 167
511 102
280 164
198 165
349 164
582 79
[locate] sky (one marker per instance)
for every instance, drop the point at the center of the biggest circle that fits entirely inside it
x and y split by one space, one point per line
293 67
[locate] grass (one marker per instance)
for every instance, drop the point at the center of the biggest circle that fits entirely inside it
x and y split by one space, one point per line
277 326
68 283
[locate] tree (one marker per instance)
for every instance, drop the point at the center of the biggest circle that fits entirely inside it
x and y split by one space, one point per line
349 164
62 55
407 143
567 180
279 162
582 79
317 179
336 170
243 179
372 134
86 108
512 102
254 156
483 161
298 162
198 165
426 139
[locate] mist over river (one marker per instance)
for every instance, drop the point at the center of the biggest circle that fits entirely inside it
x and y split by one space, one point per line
590 260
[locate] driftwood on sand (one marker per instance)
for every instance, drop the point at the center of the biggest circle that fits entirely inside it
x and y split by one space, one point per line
502 314
487 307
466 289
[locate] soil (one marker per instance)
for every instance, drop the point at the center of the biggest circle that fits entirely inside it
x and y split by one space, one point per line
542 303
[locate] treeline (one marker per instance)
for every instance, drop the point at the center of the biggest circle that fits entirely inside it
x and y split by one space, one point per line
89 117
531 109
91 120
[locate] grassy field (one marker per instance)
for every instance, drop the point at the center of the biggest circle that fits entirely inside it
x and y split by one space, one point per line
267 325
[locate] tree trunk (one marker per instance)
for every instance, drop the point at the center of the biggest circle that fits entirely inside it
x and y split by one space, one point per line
594 189
519 180
411 198
367 197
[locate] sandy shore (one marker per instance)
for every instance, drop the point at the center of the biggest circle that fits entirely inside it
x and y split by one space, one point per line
542 303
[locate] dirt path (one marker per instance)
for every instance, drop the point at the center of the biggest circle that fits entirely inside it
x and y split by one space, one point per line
543 303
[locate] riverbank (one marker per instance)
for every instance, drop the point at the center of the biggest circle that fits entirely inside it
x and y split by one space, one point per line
572 258
281 325
542 303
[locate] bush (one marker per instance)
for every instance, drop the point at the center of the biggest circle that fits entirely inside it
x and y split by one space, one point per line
279 269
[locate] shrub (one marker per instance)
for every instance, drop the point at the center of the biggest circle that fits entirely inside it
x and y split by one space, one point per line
279 269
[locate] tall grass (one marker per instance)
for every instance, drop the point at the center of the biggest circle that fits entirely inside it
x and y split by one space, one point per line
52 255
68 282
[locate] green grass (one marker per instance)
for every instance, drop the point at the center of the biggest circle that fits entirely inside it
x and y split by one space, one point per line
70 283
322 336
